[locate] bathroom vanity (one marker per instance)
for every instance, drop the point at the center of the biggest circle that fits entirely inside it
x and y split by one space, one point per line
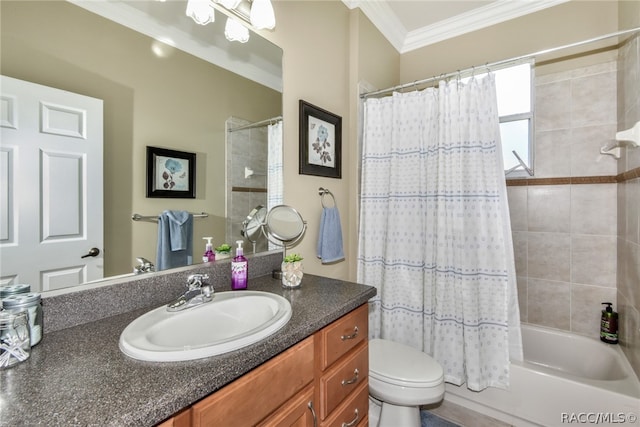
323 377
78 376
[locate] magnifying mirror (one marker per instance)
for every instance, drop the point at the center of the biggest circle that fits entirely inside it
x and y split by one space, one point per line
252 225
284 227
284 224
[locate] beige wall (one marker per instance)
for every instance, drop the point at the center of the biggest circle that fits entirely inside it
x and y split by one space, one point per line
178 102
322 64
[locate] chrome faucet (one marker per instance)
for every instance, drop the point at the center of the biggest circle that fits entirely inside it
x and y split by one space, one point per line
197 293
145 266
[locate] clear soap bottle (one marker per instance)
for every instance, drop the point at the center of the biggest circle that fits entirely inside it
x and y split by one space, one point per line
239 269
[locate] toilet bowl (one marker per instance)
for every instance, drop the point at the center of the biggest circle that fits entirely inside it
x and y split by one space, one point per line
402 378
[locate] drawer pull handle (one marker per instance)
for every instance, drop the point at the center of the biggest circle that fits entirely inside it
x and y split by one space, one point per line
313 412
352 336
352 380
352 422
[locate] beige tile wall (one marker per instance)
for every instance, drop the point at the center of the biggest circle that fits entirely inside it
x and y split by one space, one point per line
564 236
628 236
578 245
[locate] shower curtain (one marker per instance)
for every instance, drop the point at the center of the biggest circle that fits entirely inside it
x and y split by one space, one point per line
275 186
434 232
275 179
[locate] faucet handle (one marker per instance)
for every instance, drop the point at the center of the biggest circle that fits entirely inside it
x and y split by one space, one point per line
194 281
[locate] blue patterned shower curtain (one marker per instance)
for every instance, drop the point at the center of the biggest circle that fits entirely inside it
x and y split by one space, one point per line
275 172
434 232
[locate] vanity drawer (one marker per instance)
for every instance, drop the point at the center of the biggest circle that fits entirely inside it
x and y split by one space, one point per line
343 335
343 378
295 413
248 400
353 412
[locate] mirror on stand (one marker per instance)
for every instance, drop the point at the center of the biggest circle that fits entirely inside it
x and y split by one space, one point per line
282 225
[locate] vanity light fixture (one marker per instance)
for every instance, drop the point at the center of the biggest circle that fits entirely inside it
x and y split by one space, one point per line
201 11
235 31
230 4
262 15
258 14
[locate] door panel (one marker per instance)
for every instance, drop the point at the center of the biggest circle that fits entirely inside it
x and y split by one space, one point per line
51 191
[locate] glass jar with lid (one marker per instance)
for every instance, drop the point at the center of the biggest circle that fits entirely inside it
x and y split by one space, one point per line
8 290
31 303
15 342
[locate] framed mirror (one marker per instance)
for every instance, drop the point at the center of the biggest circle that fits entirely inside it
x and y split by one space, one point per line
153 71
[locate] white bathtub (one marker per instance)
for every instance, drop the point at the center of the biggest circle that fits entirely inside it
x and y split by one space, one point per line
565 379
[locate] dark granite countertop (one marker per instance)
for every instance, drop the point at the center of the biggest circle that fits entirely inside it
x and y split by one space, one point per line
78 376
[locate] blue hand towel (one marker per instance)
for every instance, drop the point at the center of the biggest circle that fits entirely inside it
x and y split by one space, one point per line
330 238
175 240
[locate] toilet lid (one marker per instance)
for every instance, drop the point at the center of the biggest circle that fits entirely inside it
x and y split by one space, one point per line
399 364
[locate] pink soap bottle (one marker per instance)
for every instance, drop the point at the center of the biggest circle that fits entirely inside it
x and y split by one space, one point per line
239 269
209 255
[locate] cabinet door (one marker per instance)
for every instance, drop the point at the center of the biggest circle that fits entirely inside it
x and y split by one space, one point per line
249 399
181 419
298 412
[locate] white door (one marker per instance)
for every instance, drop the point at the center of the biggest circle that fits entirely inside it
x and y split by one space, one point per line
50 186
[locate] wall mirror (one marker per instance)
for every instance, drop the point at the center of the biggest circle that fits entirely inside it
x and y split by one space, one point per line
152 67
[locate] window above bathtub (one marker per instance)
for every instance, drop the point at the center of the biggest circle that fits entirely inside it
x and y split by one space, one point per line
514 85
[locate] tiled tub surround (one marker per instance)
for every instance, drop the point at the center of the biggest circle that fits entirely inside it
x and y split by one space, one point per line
78 376
576 226
245 148
628 279
564 220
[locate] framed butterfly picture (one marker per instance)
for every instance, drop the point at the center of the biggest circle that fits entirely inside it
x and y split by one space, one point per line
320 142
171 173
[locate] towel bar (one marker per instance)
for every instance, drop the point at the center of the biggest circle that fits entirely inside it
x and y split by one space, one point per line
323 192
138 217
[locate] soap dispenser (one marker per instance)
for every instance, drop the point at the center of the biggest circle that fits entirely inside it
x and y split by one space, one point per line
239 269
209 255
609 325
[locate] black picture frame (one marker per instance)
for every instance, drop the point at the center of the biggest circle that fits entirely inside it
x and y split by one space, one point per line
320 142
171 173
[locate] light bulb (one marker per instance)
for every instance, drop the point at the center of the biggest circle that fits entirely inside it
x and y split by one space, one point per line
229 4
235 31
201 11
262 15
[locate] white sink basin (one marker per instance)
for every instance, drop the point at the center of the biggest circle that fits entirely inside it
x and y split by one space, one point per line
232 320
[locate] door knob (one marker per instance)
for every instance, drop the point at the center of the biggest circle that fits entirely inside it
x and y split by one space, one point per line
92 252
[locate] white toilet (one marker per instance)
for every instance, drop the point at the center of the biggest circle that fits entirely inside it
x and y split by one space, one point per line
402 378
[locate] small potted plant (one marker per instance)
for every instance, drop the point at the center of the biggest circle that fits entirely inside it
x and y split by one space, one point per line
223 251
292 271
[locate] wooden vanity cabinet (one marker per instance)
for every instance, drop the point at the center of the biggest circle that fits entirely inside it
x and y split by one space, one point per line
252 397
325 375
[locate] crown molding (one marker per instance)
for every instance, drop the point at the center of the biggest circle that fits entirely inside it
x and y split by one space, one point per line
486 16
383 17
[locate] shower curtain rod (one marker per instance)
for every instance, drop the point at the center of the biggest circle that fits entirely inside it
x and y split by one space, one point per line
494 64
258 124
